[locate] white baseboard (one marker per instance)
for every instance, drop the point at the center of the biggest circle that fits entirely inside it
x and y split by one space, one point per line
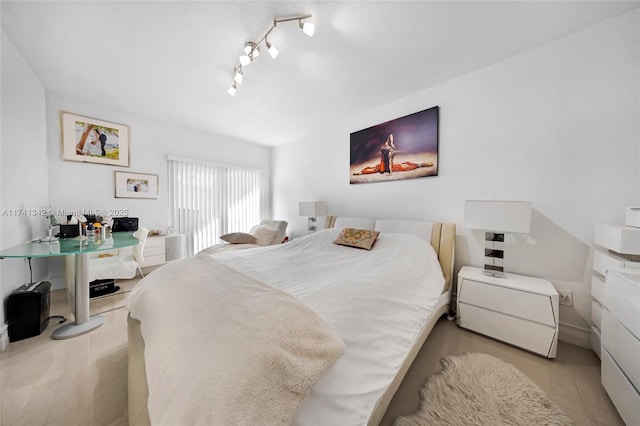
4 336
575 335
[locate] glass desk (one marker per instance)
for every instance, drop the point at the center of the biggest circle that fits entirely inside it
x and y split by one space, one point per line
80 251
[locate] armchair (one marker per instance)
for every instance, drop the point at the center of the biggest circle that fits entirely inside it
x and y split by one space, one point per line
268 232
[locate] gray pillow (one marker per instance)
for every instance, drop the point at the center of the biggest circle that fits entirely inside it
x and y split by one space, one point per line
239 238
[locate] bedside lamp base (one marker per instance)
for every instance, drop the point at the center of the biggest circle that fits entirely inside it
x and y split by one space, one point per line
492 273
493 254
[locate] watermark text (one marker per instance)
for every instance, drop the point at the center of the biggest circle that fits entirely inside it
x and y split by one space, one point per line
65 212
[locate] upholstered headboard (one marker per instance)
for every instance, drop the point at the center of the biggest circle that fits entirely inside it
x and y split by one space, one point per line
441 236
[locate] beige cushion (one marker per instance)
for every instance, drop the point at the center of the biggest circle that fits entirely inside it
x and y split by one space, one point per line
239 238
280 226
360 238
264 234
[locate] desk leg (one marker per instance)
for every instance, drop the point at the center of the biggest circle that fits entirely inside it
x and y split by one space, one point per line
83 323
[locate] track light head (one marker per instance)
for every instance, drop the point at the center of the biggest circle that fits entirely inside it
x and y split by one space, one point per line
308 28
245 60
272 49
232 89
237 75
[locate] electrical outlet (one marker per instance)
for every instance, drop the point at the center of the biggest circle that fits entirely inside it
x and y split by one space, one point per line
566 297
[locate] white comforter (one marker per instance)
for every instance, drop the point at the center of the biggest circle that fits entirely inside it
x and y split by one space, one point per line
376 301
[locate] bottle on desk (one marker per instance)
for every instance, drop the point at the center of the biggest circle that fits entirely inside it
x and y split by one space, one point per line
90 230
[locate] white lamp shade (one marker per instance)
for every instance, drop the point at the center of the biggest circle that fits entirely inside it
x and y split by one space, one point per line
312 208
273 51
498 216
308 28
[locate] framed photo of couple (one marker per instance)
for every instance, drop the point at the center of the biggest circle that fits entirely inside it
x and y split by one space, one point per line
94 141
136 185
403 148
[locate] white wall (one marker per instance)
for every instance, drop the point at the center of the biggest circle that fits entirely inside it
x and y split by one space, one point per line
24 167
33 172
76 185
557 126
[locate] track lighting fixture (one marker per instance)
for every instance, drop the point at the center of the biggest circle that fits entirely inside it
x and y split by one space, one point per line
252 50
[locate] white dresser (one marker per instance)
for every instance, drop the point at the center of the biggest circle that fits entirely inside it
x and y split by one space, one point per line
621 342
616 247
153 251
158 249
516 309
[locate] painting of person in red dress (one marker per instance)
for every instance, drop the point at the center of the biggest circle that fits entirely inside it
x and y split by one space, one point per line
403 148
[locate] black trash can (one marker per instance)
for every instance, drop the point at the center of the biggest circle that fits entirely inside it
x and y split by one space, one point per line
28 309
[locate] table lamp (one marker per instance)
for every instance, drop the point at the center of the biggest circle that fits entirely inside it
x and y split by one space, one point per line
312 209
49 214
497 218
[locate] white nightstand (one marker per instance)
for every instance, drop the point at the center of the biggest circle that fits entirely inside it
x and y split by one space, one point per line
519 310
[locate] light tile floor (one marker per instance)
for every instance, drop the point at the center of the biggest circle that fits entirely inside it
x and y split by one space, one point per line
83 380
77 381
572 379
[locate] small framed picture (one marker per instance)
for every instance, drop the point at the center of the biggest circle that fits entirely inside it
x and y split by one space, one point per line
94 141
136 185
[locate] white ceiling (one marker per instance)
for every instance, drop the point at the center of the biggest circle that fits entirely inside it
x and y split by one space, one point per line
173 61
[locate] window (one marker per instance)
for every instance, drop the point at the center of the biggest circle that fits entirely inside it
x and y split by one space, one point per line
209 200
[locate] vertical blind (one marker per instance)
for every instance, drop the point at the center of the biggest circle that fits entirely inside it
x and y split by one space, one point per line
209 200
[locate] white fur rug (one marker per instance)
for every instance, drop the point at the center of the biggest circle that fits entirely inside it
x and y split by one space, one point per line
479 389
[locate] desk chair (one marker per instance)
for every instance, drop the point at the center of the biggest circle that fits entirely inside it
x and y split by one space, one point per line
120 267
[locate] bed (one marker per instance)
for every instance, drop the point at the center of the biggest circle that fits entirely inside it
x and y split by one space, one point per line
381 328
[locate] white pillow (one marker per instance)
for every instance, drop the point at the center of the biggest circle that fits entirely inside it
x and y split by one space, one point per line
264 234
